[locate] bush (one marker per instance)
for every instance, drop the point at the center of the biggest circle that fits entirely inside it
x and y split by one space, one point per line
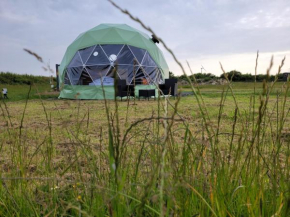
12 78
233 75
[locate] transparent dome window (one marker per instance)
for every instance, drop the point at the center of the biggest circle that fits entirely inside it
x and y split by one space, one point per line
96 65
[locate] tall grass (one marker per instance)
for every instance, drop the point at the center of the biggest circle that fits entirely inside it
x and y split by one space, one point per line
164 162
159 163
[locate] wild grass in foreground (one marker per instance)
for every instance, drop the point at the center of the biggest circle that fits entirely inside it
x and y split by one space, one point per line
112 158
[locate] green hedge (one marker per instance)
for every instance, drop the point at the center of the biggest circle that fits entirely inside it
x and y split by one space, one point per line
12 78
233 75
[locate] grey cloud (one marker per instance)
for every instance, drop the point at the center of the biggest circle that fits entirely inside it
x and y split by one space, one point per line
191 28
238 41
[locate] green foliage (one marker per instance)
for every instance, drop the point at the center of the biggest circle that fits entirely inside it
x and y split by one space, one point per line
171 75
233 75
237 76
198 76
12 78
203 76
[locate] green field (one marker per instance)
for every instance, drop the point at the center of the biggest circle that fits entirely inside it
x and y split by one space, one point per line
223 152
20 92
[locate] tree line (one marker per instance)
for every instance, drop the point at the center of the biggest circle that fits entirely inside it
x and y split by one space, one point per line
233 75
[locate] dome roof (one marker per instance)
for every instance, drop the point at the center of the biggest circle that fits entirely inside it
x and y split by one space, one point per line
114 34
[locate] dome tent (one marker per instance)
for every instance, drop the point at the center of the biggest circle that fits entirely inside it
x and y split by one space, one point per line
89 62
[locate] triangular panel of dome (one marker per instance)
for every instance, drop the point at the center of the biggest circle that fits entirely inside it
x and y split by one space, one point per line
151 73
148 61
138 53
76 61
101 75
132 74
85 53
125 56
96 72
159 79
139 76
98 57
85 78
66 78
126 72
111 72
112 49
74 74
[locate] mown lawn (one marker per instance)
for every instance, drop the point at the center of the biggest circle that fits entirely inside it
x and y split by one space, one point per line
20 92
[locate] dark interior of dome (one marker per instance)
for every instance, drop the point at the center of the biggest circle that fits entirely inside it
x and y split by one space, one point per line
85 78
96 65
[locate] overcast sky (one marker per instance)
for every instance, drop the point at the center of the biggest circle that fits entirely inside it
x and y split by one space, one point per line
204 32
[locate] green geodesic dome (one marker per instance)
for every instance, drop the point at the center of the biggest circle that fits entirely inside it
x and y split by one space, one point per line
90 60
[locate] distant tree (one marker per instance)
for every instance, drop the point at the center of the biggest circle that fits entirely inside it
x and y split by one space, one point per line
260 77
200 77
238 76
233 75
247 77
204 76
182 77
171 75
